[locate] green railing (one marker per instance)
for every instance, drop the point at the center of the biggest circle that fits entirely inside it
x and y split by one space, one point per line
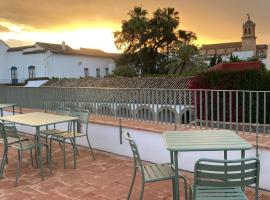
246 111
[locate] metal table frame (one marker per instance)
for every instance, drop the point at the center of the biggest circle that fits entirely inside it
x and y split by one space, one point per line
202 140
37 120
2 106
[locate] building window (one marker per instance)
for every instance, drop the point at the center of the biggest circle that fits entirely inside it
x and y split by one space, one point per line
14 74
31 72
86 72
249 31
106 71
245 31
98 73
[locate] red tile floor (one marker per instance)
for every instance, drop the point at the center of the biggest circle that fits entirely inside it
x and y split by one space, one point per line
107 178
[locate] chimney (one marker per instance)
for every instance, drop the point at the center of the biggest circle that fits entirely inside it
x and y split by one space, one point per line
63 45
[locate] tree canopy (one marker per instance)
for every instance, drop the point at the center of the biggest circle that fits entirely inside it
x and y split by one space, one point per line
146 41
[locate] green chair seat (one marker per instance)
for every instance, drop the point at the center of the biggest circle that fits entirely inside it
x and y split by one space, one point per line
220 193
24 145
10 140
68 135
158 172
45 133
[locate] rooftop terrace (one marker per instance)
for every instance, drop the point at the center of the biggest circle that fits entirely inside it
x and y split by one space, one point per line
107 178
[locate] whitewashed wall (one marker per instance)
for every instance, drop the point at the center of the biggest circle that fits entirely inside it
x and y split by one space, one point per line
23 61
50 65
71 66
152 148
3 62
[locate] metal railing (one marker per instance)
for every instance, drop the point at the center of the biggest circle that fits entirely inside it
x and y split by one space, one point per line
245 111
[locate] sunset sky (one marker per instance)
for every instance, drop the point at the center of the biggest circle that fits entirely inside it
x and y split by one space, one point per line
91 23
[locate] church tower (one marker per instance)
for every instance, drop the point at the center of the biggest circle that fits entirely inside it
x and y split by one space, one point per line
249 36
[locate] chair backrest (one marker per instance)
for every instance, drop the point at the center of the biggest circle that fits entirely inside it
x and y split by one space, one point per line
9 130
83 116
63 111
135 152
227 173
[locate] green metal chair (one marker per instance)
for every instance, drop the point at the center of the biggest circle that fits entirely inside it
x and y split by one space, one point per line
48 132
9 131
63 137
150 172
224 179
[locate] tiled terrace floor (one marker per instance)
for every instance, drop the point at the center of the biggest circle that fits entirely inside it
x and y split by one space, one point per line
107 178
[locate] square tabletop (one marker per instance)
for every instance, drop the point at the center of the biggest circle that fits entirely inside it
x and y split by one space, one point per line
205 140
6 105
37 119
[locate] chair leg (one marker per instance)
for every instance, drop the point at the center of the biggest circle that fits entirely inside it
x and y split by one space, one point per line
64 154
90 148
132 183
3 162
50 150
185 185
142 190
36 156
18 170
31 155
48 155
19 156
74 147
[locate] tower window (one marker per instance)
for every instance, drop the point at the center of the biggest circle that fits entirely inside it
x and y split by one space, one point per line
249 31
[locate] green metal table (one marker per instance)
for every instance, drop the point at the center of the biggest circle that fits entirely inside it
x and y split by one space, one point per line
37 120
2 106
202 140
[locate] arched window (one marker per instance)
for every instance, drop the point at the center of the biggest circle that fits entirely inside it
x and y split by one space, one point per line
14 74
31 72
249 30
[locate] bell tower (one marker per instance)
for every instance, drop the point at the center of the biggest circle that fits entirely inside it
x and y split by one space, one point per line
249 36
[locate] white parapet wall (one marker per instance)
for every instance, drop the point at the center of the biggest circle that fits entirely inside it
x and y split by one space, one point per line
152 148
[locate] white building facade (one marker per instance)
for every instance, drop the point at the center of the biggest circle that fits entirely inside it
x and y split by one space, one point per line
44 60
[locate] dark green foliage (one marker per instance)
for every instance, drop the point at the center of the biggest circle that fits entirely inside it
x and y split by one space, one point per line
249 80
125 71
146 42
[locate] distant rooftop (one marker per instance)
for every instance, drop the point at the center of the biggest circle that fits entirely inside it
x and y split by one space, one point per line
41 47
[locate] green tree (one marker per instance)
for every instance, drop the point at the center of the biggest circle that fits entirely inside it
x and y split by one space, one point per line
185 58
147 42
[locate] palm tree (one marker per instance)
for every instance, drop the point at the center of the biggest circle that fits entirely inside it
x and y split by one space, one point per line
184 58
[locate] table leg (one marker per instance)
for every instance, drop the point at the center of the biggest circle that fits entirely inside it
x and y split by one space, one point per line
39 152
1 111
243 154
13 110
74 141
225 158
176 179
173 185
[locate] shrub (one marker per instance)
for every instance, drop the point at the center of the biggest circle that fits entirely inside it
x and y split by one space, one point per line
126 71
231 80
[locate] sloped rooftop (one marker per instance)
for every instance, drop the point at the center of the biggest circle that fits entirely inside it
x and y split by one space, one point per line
123 82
